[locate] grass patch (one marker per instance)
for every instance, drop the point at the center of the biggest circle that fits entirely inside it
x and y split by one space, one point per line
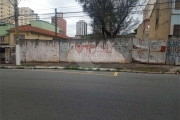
30 65
2 67
72 68
98 69
75 68
20 68
118 68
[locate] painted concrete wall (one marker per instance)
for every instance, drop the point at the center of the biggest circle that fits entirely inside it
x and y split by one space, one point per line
140 43
149 51
160 21
173 50
39 51
118 51
140 55
140 50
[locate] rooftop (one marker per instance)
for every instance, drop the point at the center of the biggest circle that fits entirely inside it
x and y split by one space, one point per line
30 28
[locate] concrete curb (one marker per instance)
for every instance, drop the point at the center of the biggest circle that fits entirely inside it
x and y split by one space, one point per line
81 68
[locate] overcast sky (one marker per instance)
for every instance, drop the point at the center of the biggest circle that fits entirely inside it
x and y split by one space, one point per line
47 6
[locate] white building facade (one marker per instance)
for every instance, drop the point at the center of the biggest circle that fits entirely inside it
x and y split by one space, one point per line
26 15
6 11
81 28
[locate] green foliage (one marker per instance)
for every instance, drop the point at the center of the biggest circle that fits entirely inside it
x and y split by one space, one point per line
118 68
98 69
2 67
20 67
111 17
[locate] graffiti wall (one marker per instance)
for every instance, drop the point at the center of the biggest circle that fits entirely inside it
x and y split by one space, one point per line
140 55
157 52
157 57
118 51
173 51
39 51
149 51
141 44
140 50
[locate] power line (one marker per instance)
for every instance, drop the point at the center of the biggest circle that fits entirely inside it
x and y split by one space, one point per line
133 12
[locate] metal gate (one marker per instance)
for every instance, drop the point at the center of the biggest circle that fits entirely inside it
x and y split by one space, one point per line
63 51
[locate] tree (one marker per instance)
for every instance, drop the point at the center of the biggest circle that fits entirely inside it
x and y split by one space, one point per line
111 17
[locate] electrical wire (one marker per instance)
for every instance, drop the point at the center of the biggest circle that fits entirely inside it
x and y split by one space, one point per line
132 12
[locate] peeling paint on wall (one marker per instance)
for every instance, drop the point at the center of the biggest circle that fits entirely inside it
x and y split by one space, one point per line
158 45
139 43
149 51
111 51
140 55
157 57
173 50
39 51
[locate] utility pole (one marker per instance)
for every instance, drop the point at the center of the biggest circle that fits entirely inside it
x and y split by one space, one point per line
16 14
55 23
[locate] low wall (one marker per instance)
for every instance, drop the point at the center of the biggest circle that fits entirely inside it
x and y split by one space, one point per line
39 51
117 51
149 51
173 51
140 51
157 52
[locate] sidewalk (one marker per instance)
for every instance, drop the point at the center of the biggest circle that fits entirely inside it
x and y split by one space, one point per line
131 67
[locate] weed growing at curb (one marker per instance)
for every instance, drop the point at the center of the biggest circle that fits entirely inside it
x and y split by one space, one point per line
2 67
72 68
20 68
178 71
98 69
75 68
118 68
67 68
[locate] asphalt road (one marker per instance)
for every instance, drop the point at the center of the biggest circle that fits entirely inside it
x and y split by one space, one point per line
78 95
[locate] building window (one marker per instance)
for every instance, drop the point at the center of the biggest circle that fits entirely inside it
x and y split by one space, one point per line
177 5
176 30
1 39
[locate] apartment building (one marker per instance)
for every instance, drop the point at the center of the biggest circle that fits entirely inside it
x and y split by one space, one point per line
148 9
160 19
26 15
6 11
165 19
61 22
81 28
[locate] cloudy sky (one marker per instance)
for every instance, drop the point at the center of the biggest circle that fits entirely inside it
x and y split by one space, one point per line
48 6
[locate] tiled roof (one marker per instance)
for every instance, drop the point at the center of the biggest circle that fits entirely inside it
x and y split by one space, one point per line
39 30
